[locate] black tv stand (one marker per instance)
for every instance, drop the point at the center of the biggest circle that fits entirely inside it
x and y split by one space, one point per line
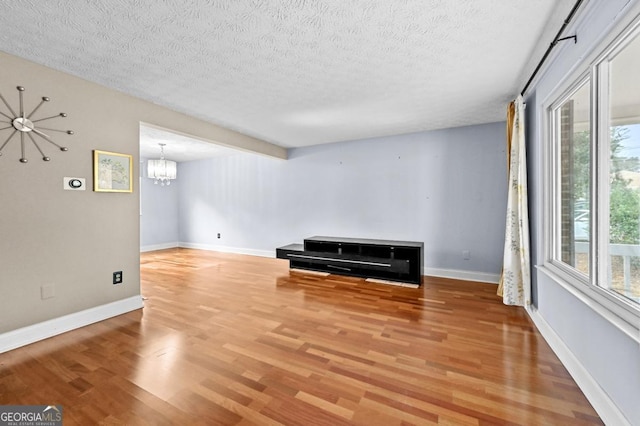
386 260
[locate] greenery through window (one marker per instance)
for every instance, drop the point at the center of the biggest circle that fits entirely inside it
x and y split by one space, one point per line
623 269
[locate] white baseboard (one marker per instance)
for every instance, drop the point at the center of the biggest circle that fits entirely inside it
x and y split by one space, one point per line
604 406
33 333
155 247
482 277
227 249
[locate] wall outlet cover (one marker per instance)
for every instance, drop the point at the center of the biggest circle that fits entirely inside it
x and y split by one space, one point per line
117 277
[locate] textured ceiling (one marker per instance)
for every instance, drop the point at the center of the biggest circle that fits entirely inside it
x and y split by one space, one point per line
296 72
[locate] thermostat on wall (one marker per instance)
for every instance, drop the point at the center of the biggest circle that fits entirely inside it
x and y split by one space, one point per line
74 184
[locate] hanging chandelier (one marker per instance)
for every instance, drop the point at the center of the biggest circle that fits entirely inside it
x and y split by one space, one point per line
163 171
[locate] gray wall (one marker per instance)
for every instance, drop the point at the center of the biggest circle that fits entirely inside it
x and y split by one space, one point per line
75 240
446 188
611 357
159 219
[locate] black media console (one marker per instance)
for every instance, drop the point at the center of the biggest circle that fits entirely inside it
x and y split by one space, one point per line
386 260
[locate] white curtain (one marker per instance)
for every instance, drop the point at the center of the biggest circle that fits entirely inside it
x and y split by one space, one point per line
515 282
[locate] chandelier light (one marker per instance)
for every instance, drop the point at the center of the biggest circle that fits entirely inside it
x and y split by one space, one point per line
163 171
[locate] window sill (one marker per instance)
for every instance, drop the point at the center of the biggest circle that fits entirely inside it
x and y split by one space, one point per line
623 317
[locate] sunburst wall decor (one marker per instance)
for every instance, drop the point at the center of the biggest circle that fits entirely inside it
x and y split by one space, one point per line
24 125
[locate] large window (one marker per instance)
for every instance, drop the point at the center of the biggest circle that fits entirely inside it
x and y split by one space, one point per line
595 182
621 123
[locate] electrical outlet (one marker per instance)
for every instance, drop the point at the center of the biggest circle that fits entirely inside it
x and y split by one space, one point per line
117 277
218 235
466 254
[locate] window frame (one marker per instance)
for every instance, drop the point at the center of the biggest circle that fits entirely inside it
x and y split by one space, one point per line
620 311
553 247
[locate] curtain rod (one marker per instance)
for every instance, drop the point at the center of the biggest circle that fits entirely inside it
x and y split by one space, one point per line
553 44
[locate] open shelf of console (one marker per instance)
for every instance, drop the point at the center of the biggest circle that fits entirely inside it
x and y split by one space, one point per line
382 259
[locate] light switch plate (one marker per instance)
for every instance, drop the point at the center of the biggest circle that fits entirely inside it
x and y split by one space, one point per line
47 291
74 184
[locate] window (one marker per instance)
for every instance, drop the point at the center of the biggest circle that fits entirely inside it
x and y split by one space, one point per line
595 177
620 138
572 130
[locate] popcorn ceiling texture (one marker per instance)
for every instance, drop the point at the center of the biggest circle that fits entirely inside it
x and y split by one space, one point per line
294 72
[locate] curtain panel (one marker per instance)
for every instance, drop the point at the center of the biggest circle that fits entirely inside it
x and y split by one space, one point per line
515 281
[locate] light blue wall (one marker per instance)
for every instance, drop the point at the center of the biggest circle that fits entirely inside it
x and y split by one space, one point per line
159 219
611 357
446 188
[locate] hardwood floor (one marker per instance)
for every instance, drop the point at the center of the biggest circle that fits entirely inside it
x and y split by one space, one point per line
232 339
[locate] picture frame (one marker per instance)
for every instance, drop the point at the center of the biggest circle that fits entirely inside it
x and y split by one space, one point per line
112 172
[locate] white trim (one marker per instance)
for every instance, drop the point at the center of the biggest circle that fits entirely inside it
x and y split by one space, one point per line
155 247
622 319
227 249
604 406
482 277
43 330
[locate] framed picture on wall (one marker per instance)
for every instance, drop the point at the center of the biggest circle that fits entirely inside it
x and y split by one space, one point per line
112 172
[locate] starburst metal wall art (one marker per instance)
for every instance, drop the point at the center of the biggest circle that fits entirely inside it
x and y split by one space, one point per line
24 125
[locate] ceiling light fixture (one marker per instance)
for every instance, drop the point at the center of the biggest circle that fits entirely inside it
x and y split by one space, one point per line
163 171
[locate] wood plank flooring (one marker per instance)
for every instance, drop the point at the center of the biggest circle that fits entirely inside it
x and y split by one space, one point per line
229 339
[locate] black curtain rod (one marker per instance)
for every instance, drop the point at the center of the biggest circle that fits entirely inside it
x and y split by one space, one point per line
553 44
